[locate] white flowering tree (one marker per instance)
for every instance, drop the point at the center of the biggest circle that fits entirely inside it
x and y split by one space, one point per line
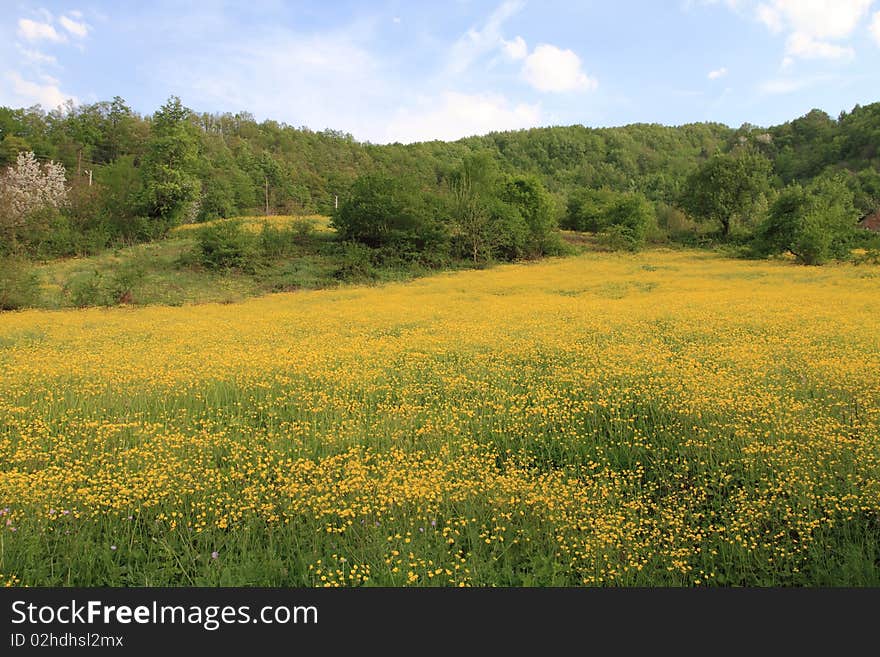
26 188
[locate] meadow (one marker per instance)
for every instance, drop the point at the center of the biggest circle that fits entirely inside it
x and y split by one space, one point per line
671 418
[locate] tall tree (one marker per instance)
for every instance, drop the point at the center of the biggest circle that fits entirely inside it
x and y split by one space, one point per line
530 198
472 187
170 184
726 186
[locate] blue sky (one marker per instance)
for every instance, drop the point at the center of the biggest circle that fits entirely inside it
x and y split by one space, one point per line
408 71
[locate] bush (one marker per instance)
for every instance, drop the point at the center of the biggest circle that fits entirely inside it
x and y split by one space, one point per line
355 263
274 242
587 208
97 288
815 224
225 245
621 238
674 221
535 206
88 289
609 212
126 279
19 285
386 211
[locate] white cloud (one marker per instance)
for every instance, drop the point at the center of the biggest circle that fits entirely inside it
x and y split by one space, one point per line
770 17
717 73
516 49
875 27
37 57
396 19
477 42
549 68
34 31
806 47
48 94
813 26
76 28
822 19
456 115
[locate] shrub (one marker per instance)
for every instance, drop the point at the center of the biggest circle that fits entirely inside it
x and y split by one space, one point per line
385 211
355 263
618 237
528 195
674 221
609 212
274 242
225 245
19 285
587 208
815 224
88 289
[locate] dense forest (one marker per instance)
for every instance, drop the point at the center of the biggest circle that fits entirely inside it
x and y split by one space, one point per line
798 187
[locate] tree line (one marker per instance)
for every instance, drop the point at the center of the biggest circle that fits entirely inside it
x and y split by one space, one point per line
798 187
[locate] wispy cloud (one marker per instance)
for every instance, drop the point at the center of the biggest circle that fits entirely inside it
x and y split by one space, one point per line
717 73
37 57
77 28
36 31
479 41
806 47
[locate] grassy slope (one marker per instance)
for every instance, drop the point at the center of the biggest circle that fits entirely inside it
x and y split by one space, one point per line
166 275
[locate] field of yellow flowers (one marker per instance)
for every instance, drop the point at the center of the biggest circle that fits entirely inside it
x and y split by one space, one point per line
669 418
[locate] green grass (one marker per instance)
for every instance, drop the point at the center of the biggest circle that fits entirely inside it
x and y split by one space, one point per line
166 272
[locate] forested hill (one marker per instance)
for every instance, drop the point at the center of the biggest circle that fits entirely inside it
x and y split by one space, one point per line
239 162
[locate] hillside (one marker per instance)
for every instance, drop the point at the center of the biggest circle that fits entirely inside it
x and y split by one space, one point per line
304 169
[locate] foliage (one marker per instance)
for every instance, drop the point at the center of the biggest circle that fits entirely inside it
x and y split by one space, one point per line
623 218
725 187
19 285
151 172
169 182
529 197
385 211
815 224
225 245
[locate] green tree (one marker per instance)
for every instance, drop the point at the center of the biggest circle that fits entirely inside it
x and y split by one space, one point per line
472 188
529 197
815 224
170 185
384 211
628 219
726 186
587 209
